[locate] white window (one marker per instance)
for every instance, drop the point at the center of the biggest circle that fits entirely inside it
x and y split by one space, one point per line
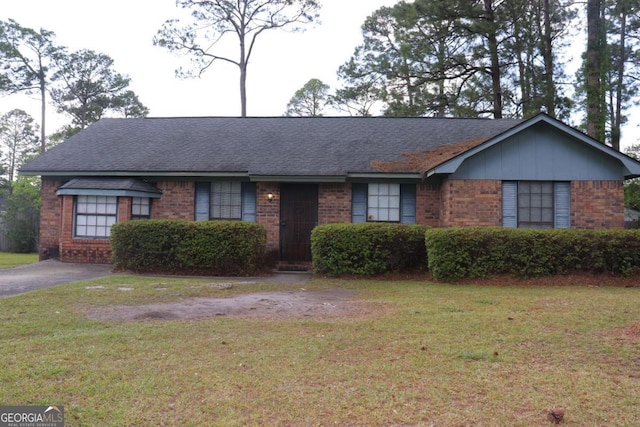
140 208
95 215
226 200
383 202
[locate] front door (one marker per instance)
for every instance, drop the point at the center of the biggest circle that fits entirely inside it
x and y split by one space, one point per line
298 216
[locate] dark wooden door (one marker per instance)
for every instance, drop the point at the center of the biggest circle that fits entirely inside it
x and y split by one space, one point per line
298 216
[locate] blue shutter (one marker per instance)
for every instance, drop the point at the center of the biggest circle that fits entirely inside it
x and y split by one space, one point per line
510 204
562 204
408 203
359 202
249 201
203 190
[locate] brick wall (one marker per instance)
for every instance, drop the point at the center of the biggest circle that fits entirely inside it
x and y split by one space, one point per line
429 204
334 203
471 203
50 219
597 204
594 204
177 201
268 213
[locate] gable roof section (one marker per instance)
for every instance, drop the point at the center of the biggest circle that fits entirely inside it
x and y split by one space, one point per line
322 148
450 165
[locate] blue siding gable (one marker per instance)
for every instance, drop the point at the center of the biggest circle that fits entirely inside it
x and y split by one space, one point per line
540 152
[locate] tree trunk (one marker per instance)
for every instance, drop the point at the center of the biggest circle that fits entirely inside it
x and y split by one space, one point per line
43 108
492 39
593 70
547 54
243 63
616 124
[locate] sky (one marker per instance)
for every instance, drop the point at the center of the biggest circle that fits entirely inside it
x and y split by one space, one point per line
281 64
282 61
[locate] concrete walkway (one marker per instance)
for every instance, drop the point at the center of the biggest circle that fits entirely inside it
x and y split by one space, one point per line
45 274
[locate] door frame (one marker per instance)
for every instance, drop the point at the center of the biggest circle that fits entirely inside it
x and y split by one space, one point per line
291 221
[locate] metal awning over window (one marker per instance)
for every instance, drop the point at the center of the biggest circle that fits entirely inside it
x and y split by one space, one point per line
127 187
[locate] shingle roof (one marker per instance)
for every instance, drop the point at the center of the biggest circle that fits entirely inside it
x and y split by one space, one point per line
126 184
274 146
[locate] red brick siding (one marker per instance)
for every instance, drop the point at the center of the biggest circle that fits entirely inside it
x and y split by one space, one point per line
334 203
50 219
178 200
471 203
428 204
597 204
594 204
268 213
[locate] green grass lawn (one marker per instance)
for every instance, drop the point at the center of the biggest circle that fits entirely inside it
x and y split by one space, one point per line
442 355
10 260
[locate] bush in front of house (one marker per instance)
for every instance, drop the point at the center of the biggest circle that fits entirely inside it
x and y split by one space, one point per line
231 248
456 253
367 249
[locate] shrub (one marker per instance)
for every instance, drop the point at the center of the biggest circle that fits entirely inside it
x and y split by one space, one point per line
20 223
367 249
189 247
455 253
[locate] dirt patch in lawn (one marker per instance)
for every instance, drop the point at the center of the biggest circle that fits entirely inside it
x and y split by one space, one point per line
300 304
630 332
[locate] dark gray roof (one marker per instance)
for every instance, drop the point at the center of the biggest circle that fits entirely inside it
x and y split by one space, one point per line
270 146
126 184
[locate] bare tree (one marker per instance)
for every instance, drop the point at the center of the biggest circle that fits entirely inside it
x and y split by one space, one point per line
245 20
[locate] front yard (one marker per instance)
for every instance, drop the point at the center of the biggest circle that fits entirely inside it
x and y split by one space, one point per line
10 260
386 353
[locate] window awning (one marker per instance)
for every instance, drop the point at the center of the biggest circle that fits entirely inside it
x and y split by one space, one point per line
127 187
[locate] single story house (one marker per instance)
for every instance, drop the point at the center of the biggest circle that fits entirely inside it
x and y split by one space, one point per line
290 174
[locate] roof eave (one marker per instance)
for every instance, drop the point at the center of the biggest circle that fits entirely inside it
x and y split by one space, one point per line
188 174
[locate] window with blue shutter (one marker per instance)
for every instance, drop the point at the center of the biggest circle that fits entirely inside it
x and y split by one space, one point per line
225 200
562 211
358 203
203 189
249 201
408 203
536 204
383 202
510 204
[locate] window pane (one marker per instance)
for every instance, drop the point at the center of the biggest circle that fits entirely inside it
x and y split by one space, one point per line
383 202
95 215
535 204
140 207
226 200
394 214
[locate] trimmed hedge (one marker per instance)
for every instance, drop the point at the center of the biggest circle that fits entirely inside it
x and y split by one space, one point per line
367 249
455 253
188 247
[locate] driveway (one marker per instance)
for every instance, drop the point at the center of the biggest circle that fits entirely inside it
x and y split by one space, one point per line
45 274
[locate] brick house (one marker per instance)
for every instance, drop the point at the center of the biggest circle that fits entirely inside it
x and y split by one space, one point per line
291 174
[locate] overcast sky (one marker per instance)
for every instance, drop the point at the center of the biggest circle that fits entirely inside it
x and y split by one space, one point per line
282 62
